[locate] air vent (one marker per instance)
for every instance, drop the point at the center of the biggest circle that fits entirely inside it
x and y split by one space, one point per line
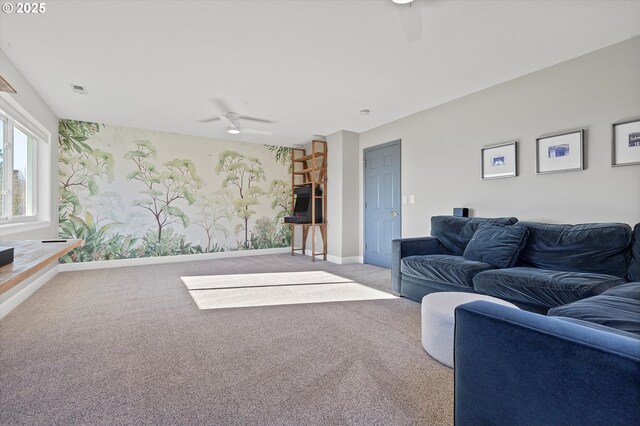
77 88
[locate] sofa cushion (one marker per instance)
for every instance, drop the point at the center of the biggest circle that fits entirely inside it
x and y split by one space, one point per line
633 273
618 308
443 268
628 290
454 233
600 248
542 287
497 245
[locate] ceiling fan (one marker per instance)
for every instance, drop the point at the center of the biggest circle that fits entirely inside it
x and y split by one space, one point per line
410 18
232 120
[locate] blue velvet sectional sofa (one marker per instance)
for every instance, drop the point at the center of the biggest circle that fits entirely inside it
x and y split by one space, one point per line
536 266
577 365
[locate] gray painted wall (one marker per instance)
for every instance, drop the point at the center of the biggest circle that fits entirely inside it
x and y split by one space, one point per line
350 199
31 101
342 196
334 193
441 146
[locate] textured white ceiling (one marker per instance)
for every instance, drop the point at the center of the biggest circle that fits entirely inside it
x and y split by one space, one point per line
308 65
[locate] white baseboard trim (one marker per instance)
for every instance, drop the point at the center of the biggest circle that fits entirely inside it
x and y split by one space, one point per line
20 293
352 259
120 263
344 260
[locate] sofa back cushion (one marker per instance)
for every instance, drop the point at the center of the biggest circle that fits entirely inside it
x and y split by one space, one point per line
601 248
454 233
633 273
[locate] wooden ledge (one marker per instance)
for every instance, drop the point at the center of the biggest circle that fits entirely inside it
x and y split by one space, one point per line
31 256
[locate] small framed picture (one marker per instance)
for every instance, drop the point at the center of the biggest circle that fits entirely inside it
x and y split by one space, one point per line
625 144
500 161
560 153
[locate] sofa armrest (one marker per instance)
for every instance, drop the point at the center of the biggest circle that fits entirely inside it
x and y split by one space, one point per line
517 367
404 247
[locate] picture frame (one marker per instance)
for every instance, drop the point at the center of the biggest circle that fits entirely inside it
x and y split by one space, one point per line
561 152
625 143
500 161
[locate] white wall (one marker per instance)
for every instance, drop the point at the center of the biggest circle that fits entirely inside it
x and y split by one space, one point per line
441 146
27 98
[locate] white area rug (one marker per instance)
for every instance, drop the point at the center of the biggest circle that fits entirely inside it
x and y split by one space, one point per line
282 288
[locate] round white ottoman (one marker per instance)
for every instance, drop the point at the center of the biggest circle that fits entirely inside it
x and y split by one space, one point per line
438 321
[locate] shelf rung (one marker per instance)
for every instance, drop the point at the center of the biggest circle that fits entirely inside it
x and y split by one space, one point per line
308 157
318 183
311 170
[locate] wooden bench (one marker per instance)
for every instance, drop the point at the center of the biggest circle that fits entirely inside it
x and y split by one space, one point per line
31 256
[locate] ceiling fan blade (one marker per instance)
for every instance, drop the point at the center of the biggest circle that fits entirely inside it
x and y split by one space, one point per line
226 121
258 120
255 132
411 20
209 120
221 104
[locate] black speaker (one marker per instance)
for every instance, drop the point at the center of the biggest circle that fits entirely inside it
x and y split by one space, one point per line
6 255
461 211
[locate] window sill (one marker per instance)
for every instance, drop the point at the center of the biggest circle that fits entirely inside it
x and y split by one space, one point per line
14 228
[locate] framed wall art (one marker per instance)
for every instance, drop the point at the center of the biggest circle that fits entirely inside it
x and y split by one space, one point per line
625 143
500 161
560 153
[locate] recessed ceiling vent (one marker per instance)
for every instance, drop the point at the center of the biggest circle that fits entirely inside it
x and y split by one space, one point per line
77 88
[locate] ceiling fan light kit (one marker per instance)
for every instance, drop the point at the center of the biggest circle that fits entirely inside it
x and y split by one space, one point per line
402 1
233 130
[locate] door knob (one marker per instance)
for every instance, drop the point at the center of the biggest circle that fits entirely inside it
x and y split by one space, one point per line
394 213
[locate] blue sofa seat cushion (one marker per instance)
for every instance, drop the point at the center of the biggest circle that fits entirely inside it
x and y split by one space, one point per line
617 308
497 245
628 290
443 269
601 248
542 287
454 233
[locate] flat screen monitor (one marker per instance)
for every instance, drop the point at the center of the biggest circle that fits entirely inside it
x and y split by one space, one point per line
302 204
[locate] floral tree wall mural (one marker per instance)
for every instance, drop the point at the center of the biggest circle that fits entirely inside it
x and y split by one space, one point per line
214 210
244 174
136 193
164 189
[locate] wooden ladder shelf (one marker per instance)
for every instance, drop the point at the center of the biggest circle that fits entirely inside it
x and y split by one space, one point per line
310 169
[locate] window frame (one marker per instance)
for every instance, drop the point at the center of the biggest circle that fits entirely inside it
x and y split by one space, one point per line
10 124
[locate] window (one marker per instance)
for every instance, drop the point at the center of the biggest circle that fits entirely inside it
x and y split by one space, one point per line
18 168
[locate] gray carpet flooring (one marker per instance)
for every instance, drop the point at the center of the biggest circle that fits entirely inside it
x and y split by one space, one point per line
130 346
